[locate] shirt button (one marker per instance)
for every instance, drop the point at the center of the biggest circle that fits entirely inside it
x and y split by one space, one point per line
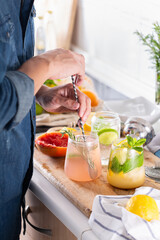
34 117
8 35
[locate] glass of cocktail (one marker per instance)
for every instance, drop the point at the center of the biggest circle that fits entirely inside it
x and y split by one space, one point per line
107 126
82 162
125 168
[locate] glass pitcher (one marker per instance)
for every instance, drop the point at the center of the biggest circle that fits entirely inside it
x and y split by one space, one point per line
125 168
82 162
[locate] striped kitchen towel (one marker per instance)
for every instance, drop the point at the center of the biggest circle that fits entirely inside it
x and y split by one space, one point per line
110 220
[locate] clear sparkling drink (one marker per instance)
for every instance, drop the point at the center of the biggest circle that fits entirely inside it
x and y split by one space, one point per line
107 126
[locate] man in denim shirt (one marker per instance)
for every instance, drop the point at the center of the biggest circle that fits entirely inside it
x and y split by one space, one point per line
21 78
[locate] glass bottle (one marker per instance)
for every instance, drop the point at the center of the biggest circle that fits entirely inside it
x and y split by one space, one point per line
157 90
40 37
51 41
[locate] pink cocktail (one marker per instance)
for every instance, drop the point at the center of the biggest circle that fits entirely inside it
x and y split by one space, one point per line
83 161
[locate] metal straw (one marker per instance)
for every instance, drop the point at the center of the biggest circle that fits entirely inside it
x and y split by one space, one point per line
73 77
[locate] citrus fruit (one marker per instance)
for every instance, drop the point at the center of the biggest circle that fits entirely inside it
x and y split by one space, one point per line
121 155
52 144
87 125
68 129
123 143
107 136
39 109
92 96
50 83
143 206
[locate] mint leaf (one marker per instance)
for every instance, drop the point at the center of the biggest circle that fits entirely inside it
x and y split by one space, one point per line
140 142
133 163
115 166
134 141
130 141
138 149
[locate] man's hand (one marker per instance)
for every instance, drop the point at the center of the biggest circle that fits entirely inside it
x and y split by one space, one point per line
62 99
54 64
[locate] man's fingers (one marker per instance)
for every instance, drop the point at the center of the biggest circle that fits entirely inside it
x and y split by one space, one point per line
66 103
85 106
88 110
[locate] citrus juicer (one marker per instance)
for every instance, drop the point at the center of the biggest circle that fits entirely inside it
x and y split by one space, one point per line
139 128
85 152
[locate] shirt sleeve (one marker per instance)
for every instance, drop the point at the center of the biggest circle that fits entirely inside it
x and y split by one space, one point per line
16 98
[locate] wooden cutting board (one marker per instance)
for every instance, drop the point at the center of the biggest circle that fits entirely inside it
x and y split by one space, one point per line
82 194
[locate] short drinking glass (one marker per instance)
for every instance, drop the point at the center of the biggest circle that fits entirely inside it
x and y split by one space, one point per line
82 162
125 168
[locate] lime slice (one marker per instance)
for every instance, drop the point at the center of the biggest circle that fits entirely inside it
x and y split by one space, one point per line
107 135
39 109
121 155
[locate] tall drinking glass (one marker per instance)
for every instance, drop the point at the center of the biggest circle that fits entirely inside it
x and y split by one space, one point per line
107 126
82 162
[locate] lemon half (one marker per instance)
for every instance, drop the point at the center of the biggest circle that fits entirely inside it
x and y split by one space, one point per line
143 206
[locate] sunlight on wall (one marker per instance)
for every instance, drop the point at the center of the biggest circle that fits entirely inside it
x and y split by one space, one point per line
104 33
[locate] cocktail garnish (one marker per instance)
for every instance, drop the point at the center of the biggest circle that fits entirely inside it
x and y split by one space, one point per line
135 144
70 134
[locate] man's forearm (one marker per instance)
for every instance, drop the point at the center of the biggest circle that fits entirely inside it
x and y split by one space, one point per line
36 68
54 64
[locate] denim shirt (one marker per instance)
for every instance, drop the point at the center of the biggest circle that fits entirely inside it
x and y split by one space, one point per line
17 112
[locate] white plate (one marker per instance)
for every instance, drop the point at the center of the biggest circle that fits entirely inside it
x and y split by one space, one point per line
139 107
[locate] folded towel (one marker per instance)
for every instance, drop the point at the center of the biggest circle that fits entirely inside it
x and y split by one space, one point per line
110 220
47 119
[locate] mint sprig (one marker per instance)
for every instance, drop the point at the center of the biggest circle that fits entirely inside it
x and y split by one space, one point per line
130 164
135 144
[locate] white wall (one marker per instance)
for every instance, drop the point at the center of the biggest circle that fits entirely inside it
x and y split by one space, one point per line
104 33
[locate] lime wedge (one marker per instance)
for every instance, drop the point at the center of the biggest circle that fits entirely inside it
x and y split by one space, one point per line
107 135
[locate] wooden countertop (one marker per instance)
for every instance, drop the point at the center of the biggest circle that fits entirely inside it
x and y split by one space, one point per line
79 193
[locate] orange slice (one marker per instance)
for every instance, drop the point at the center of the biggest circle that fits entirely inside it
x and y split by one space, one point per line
87 125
